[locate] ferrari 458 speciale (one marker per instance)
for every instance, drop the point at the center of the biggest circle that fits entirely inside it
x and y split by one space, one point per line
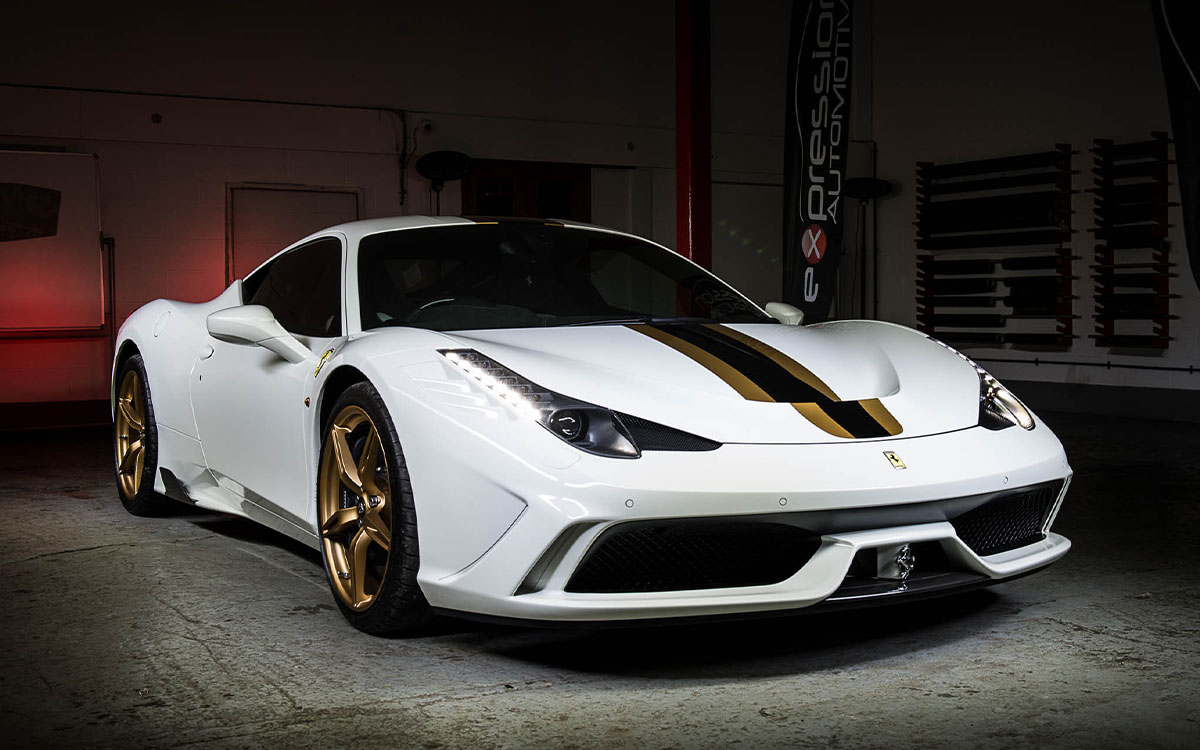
550 421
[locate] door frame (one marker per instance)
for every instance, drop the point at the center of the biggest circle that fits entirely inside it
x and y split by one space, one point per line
358 193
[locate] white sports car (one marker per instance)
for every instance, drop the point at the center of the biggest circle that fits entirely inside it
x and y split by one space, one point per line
551 421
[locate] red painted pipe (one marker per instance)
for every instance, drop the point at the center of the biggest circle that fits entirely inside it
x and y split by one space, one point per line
693 132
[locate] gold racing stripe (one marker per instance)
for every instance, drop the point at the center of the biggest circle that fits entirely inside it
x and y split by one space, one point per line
794 368
880 414
722 370
748 389
814 414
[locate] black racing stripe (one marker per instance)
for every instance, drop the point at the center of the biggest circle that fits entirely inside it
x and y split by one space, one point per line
854 418
775 381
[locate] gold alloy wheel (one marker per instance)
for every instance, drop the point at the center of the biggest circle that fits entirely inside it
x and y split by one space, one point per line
131 433
354 504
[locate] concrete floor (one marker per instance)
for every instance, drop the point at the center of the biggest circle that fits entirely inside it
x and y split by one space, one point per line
202 630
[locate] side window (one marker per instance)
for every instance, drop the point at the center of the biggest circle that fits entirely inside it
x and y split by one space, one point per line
302 288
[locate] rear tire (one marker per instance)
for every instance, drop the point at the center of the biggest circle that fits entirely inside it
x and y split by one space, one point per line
367 520
135 442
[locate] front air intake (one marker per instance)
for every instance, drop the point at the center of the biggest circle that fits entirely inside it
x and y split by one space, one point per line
686 554
1008 521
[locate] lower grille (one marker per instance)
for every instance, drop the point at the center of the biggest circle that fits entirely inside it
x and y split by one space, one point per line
1008 521
688 554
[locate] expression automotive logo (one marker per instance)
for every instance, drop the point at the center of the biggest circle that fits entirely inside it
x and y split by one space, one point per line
813 243
821 101
828 97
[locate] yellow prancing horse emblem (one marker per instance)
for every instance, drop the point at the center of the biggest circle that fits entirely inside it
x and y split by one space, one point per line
895 460
324 358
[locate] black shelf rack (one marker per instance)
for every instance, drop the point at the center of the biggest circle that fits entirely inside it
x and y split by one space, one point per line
994 266
1132 272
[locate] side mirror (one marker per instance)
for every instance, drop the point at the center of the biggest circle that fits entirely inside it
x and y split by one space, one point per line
785 313
255 324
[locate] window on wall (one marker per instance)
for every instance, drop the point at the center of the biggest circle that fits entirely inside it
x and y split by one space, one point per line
50 254
527 189
302 289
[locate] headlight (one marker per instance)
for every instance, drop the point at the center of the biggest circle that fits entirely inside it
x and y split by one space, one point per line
998 407
586 426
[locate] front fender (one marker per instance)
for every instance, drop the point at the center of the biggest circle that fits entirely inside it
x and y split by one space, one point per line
465 464
169 334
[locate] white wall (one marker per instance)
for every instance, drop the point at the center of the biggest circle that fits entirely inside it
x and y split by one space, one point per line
956 81
542 81
533 60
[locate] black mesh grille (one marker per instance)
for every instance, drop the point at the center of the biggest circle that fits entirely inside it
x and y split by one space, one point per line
690 554
651 436
1009 521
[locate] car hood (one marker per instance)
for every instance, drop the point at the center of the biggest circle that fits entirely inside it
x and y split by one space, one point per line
751 383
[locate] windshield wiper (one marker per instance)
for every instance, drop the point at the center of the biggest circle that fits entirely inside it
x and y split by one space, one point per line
635 319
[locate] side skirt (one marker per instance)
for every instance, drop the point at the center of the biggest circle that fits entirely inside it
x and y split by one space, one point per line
261 510
213 496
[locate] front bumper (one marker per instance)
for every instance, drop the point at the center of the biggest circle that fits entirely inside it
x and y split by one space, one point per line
524 574
816 582
810 588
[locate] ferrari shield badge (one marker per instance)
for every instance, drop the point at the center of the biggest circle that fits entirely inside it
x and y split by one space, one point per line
324 358
890 456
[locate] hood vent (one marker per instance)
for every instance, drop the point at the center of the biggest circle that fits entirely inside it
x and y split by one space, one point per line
652 436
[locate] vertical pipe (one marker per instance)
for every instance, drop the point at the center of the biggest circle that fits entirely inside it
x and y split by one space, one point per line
693 132
875 237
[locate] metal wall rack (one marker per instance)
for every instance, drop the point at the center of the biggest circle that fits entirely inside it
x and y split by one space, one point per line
994 266
1132 272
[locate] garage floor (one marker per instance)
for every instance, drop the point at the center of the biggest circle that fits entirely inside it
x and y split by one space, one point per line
202 630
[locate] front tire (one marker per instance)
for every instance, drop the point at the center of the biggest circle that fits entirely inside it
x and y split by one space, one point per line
135 442
367 520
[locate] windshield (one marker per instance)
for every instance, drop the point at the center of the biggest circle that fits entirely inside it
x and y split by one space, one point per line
527 275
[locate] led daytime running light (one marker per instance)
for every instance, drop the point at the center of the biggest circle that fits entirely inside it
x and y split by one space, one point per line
511 388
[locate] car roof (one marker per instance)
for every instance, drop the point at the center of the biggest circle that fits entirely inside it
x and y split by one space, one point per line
356 230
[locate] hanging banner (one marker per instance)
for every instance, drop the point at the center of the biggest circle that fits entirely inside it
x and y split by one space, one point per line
1179 46
816 136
